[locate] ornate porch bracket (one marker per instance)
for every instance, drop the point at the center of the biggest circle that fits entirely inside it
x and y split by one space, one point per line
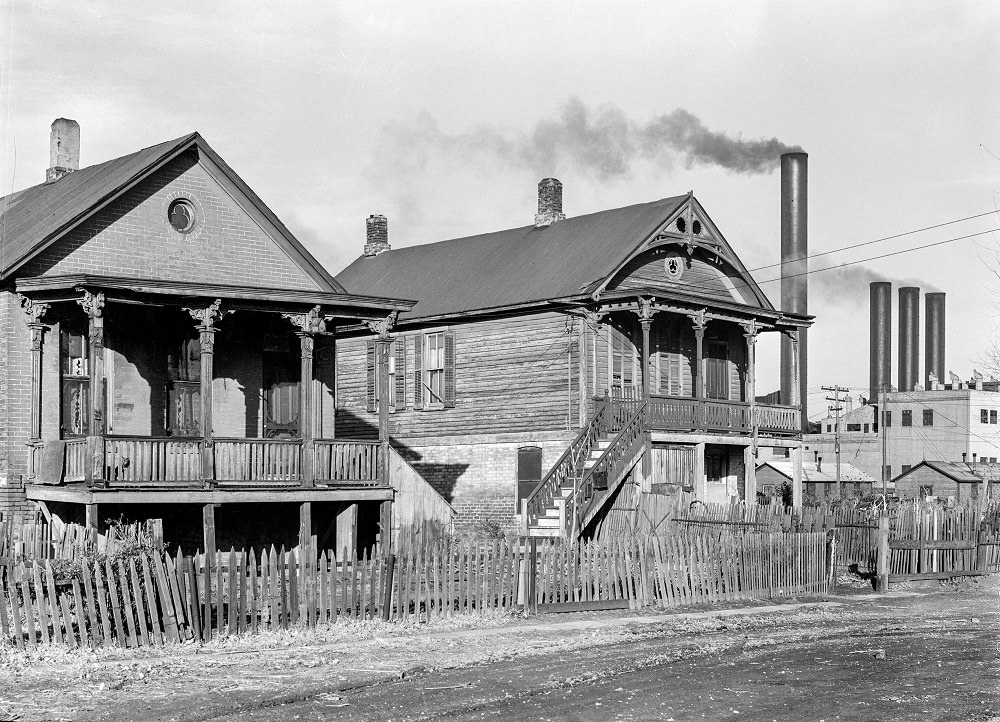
311 322
383 326
208 315
35 310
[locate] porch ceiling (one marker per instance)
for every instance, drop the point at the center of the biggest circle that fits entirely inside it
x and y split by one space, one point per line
81 494
160 292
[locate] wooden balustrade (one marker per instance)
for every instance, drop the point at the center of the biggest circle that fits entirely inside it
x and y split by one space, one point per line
258 460
347 462
610 464
672 413
777 419
137 460
76 460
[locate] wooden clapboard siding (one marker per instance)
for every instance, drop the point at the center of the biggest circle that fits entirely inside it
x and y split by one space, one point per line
510 374
706 277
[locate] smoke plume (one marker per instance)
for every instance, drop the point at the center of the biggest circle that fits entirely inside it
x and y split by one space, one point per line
603 142
849 285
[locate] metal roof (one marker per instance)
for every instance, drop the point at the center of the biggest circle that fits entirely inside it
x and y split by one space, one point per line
827 474
511 268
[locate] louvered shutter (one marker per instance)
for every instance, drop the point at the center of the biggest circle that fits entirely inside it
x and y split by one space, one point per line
418 380
449 370
370 385
399 348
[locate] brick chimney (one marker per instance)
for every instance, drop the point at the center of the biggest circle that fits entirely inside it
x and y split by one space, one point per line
549 203
378 235
64 149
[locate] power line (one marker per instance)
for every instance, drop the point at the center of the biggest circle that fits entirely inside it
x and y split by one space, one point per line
875 258
878 240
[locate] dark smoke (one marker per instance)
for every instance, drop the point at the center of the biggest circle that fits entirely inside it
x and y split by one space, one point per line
848 285
604 142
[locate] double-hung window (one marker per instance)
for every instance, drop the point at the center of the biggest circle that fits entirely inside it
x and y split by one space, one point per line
434 370
907 417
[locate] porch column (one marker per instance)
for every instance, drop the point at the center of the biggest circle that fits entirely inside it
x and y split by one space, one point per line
382 328
796 393
34 311
309 324
700 481
797 475
646 314
700 322
749 475
751 382
93 305
206 318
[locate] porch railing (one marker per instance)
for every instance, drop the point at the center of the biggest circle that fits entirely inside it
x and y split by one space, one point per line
258 460
76 460
134 459
672 413
349 462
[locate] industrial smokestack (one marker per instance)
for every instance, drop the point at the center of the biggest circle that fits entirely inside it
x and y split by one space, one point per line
934 337
909 337
880 333
794 266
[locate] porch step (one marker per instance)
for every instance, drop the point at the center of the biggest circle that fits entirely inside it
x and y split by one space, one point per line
537 531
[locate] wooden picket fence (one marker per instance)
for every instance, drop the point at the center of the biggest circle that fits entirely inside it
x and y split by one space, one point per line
39 539
154 598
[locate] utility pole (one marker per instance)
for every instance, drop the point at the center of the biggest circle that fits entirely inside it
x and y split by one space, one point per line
882 404
836 409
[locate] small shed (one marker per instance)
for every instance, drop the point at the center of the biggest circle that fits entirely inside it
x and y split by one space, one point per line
819 481
945 480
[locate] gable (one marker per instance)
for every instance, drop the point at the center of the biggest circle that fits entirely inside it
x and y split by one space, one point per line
231 242
687 253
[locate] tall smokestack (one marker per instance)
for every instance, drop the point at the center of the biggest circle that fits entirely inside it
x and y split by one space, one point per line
934 337
794 265
880 333
909 337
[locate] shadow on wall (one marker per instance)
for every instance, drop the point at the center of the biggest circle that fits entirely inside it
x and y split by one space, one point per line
442 476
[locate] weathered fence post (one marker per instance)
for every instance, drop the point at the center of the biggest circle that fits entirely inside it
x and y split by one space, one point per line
882 560
390 567
831 560
531 603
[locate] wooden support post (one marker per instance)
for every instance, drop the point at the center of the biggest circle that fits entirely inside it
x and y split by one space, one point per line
93 305
347 528
797 476
751 383
390 569
91 517
700 481
385 526
305 528
208 527
700 322
531 603
749 475
882 559
382 345
646 314
206 318
306 416
34 310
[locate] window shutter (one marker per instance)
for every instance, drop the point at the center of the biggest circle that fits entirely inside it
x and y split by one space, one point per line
399 348
449 370
418 379
370 386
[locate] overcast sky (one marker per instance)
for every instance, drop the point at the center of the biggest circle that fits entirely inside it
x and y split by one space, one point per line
443 117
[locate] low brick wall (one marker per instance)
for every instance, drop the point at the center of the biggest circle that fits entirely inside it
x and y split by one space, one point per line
13 502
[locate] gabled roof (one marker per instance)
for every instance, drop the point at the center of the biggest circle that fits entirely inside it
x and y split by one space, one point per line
826 474
509 268
34 218
955 470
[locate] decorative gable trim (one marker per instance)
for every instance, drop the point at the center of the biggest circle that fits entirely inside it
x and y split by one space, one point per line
688 228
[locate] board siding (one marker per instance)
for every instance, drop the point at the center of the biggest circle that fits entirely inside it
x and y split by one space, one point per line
705 277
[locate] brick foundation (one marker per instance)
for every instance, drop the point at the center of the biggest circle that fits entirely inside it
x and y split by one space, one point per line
13 502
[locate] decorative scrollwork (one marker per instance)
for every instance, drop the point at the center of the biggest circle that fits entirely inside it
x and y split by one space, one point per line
312 321
92 303
208 315
699 320
646 310
34 310
383 326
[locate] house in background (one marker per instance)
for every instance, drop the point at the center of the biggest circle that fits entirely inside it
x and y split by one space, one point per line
949 481
545 365
168 350
819 479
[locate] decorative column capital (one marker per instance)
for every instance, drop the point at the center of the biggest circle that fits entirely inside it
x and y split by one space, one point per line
383 326
645 311
34 310
312 321
92 303
208 315
307 344
699 320
751 330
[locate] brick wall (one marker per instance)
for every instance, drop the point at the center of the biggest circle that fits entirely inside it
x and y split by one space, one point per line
478 474
13 503
132 237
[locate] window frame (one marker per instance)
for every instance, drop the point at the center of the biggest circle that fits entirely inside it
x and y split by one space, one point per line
906 417
928 417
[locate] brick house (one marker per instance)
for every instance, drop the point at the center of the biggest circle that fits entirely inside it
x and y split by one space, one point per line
541 364
168 350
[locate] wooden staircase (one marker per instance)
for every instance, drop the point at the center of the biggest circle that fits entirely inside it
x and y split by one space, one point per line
588 473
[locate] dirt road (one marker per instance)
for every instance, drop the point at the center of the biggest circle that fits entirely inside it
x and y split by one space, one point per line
930 655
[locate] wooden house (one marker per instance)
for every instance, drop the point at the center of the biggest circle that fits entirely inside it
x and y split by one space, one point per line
541 364
819 480
947 481
168 350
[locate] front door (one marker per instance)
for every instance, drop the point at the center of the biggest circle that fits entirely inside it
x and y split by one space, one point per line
717 370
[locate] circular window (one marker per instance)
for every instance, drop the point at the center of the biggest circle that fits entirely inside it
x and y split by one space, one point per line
180 213
673 266
696 227
681 225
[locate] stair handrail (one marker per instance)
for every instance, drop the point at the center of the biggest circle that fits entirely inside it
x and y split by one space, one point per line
624 441
568 464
